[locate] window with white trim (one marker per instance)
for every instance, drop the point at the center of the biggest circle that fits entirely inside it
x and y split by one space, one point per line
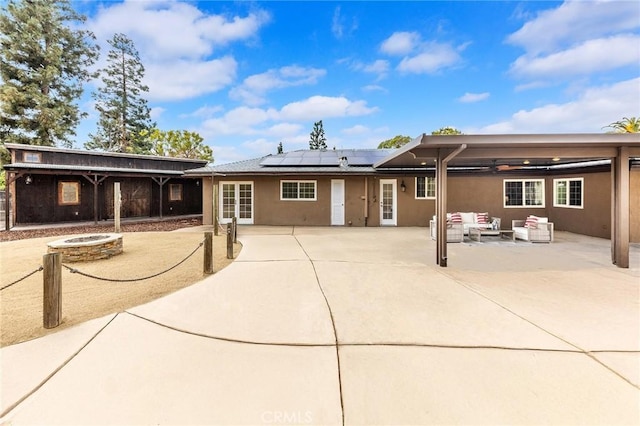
302 190
31 157
425 187
524 193
568 193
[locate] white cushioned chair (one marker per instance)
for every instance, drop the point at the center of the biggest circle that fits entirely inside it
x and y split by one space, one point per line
535 229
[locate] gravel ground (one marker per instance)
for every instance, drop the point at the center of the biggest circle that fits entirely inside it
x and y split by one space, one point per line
148 249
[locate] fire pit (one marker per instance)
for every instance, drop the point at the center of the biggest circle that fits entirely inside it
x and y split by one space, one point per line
87 247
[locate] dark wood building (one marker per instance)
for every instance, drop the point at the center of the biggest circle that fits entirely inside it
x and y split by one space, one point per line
49 185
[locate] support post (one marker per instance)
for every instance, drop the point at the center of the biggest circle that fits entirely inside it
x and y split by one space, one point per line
234 221
216 224
441 211
620 208
7 201
229 241
208 252
117 202
52 294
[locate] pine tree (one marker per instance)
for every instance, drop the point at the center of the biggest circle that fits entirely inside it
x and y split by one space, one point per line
280 148
124 112
316 138
43 64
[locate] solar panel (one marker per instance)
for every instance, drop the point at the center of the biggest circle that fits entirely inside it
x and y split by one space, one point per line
308 158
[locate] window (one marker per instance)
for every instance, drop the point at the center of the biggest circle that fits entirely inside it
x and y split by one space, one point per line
524 193
304 190
175 192
568 193
31 157
425 187
68 193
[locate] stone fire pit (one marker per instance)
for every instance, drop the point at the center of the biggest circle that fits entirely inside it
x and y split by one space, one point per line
87 247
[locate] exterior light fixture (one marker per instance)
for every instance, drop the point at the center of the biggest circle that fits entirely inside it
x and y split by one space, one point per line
424 163
403 187
28 180
555 159
525 162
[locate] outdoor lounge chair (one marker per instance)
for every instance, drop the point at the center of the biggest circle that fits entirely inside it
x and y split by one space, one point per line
534 229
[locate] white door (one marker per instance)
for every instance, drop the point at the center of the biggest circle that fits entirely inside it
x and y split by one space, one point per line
337 201
236 199
388 202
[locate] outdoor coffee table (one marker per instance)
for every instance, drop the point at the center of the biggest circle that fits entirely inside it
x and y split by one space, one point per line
477 233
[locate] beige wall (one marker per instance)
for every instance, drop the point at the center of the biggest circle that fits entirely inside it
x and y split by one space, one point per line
207 201
465 193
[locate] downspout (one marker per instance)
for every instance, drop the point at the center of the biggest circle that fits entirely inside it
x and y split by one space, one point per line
441 204
366 200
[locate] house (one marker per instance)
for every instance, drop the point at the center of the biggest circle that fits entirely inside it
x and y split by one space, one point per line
50 185
585 183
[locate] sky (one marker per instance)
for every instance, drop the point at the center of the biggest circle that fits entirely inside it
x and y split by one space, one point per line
249 75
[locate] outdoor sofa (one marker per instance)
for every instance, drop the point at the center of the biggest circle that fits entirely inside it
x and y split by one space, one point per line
534 229
459 223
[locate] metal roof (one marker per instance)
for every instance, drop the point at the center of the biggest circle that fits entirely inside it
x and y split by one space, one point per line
89 169
39 148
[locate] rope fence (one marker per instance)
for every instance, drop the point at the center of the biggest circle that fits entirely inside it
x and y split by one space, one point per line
128 280
40 268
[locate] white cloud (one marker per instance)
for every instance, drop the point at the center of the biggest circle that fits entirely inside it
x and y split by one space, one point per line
400 43
595 108
374 88
176 41
184 79
433 58
358 129
156 112
575 22
239 121
585 58
321 107
255 87
284 130
338 24
205 111
473 97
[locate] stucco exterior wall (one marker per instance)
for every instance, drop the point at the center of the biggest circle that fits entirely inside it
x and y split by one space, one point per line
465 193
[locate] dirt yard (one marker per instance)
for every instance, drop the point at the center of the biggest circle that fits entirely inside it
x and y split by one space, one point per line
83 298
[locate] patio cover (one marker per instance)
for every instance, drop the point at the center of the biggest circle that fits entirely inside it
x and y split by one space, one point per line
541 151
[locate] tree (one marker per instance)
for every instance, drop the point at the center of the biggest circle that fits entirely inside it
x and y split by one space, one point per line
43 64
124 112
447 131
394 142
177 143
316 137
280 148
626 125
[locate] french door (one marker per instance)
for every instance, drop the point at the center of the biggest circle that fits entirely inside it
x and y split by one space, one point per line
236 199
388 202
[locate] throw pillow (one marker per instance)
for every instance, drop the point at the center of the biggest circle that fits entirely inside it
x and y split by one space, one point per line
456 217
483 218
531 222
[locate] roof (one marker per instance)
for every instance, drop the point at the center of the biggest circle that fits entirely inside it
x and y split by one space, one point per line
491 150
89 169
340 161
38 148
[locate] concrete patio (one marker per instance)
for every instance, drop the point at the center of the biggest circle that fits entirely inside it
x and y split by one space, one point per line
355 326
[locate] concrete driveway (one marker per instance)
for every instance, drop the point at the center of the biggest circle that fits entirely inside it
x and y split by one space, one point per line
355 326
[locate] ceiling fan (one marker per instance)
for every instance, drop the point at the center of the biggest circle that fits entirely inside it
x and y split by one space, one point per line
504 167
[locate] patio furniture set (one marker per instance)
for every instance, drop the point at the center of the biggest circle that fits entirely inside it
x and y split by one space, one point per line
477 225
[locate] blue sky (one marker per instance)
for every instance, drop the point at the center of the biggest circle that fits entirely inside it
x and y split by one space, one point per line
248 75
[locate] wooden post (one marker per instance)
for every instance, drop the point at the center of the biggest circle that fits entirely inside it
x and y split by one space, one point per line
52 294
229 241
235 229
216 224
117 201
208 252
